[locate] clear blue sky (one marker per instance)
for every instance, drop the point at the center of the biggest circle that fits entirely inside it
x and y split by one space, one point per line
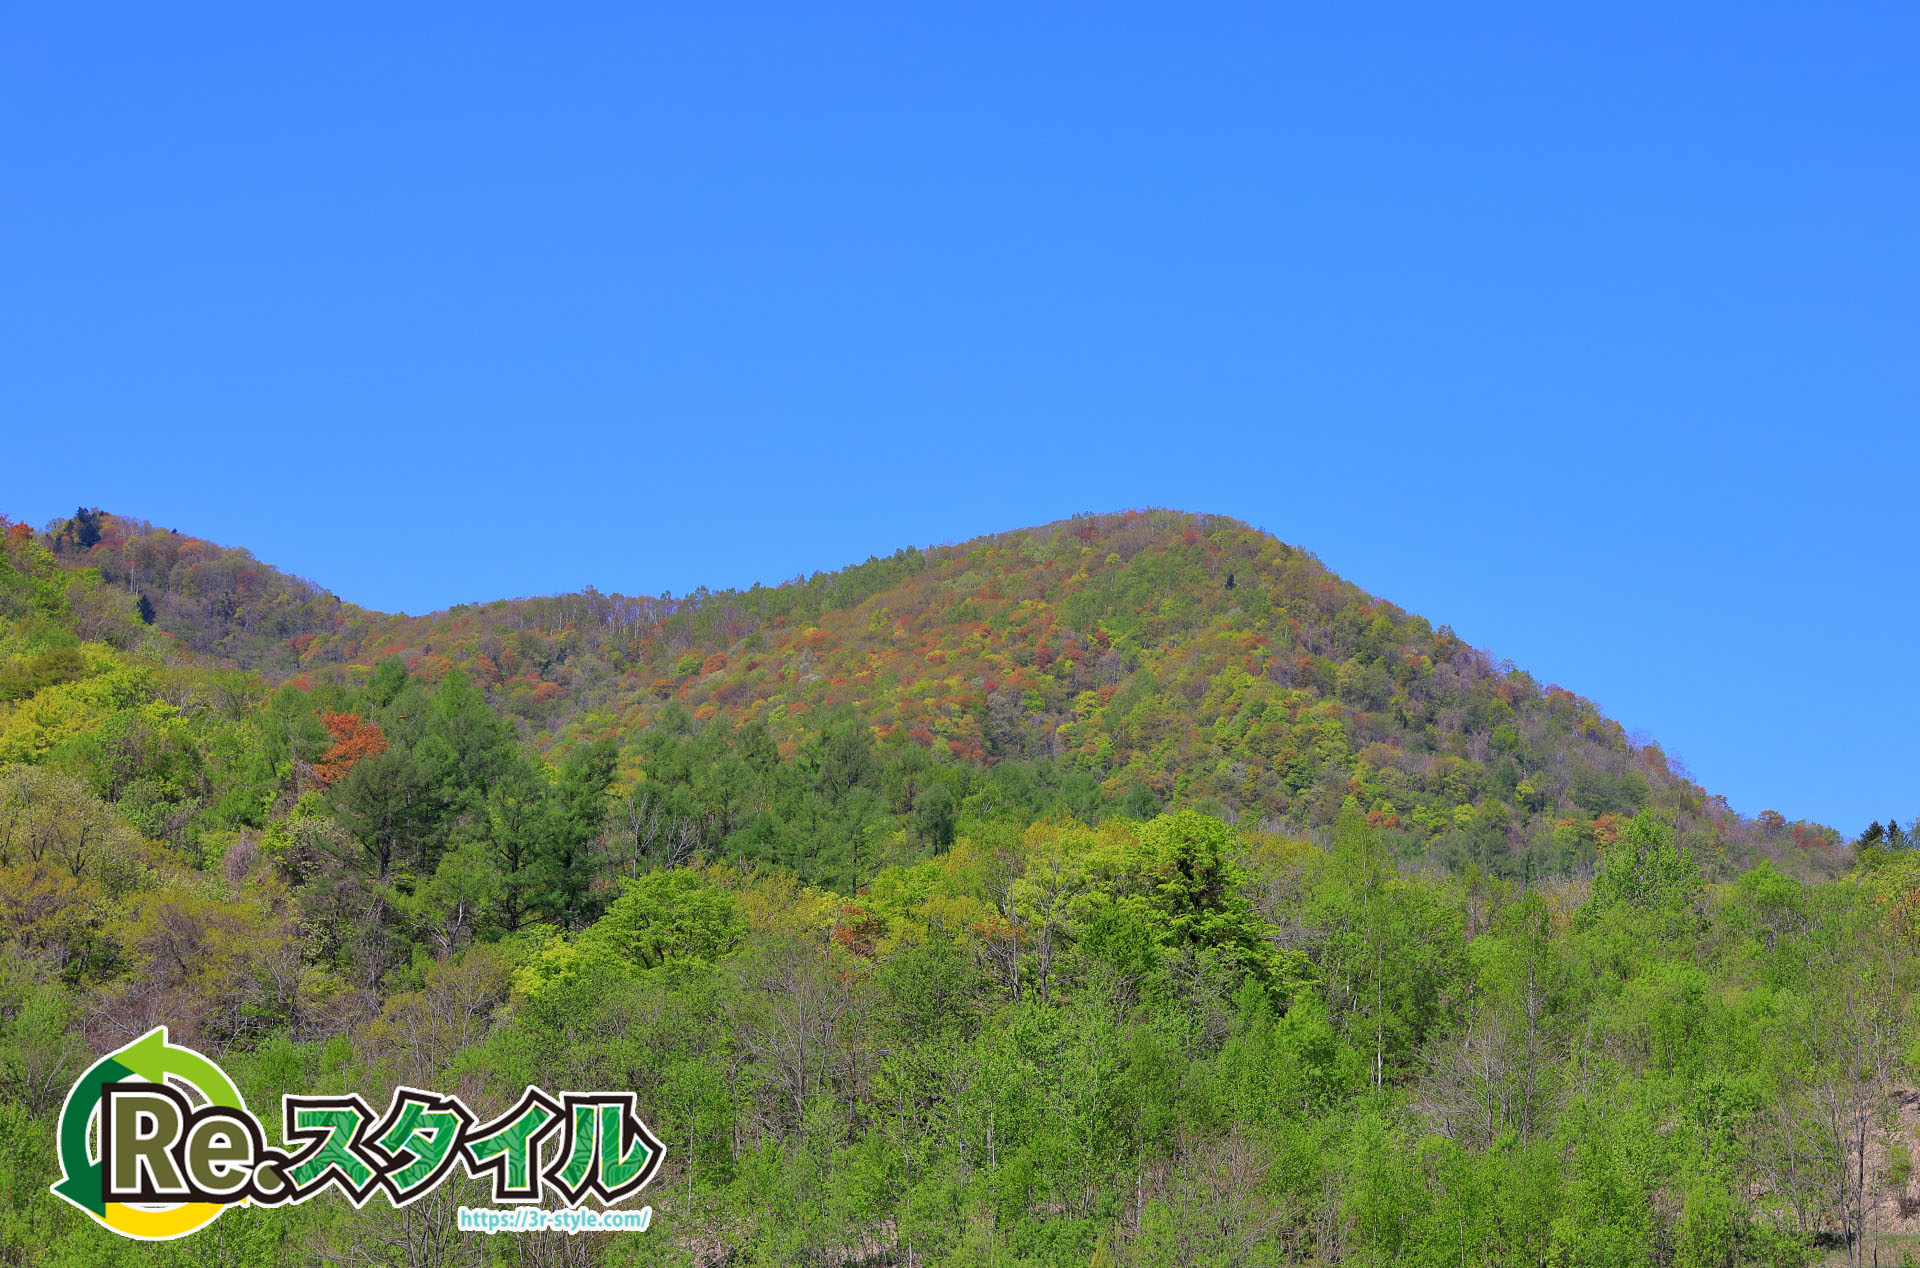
1593 335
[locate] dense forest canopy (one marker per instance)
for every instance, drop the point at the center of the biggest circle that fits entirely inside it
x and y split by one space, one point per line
1124 891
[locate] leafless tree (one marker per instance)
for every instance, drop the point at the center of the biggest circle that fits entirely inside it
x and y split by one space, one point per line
796 1020
1498 1076
1044 899
652 836
1846 1046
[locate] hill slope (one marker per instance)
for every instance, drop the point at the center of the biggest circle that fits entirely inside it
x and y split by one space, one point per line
1124 661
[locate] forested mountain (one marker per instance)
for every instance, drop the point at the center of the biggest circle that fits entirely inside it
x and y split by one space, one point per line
1105 664
1129 891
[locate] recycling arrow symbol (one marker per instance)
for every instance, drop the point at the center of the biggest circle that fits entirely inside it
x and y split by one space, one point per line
152 1058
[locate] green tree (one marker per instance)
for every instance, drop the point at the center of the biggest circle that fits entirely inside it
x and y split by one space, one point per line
1644 870
935 817
394 809
513 830
577 810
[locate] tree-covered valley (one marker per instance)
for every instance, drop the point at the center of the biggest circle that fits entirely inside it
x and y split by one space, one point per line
1125 891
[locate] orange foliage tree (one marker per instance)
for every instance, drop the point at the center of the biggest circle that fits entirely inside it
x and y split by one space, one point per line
353 739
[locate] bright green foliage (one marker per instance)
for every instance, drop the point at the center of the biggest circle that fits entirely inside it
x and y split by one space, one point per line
1182 873
670 916
1645 871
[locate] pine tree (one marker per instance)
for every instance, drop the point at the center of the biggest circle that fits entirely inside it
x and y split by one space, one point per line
576 812
85 526
145 609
